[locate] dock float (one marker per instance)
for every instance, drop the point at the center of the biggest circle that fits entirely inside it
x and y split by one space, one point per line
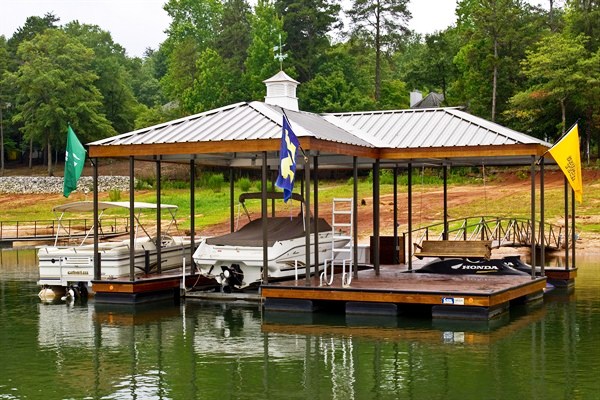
473 297
146 289
561 277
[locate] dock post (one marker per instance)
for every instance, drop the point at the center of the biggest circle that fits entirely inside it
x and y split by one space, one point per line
542 219
263 213
409 248
307 218
192 212
131 220
573 234
97 271
376 216
316 211
147 261
158 219
355 214
533 258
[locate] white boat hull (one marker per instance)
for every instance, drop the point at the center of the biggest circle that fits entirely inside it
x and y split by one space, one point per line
286 259
68 265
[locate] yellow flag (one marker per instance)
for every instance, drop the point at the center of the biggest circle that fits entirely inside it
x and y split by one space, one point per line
566 155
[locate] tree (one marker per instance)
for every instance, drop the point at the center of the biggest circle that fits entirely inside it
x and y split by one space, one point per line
234 35
265 27
56 86
382 21
583 16
211 88
33 26
3 70
307 24
429 64
146 87
495 35
111 65
558 69
193 29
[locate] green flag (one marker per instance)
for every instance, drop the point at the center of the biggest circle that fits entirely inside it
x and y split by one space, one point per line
74 162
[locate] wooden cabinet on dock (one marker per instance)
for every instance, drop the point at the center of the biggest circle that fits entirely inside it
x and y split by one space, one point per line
387 250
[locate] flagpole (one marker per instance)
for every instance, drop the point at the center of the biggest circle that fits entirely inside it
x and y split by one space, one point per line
288 121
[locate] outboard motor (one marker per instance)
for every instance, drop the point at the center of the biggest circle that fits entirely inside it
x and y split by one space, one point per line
232 276
83 290
75 292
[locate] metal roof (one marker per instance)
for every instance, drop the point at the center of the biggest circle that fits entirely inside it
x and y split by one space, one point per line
235 135
236 122
433 127
433 99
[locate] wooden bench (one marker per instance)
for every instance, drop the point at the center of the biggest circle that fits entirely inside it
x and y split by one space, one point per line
454 249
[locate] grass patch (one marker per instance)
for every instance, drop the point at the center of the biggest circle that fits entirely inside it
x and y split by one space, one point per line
212 206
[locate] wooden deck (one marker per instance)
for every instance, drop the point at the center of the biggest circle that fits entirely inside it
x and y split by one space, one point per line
450 296
143 289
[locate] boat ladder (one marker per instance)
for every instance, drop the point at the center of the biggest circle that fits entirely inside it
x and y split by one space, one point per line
342 221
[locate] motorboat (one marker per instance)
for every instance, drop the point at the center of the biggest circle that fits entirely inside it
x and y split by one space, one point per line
69 269
235 260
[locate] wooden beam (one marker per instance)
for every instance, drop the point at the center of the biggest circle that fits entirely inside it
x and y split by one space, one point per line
226 146
509 150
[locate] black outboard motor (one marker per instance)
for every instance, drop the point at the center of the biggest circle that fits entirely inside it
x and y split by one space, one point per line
232 276
78 291
83 290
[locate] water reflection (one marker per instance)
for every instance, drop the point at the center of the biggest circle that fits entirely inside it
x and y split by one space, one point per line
199 350
19 264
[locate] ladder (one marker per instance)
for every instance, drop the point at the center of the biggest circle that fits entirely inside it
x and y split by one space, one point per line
342 221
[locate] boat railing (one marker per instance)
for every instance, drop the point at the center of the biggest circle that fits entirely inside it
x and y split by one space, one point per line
502 231
47 229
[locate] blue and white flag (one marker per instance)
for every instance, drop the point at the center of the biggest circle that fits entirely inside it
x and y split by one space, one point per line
287 160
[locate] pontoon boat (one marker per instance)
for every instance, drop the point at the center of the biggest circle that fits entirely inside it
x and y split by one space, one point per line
71 267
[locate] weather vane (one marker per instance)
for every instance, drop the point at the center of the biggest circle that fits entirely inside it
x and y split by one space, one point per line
279 54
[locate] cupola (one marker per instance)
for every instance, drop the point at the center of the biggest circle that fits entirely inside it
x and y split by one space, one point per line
281 91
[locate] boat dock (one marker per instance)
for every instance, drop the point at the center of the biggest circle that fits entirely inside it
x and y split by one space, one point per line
393 292
396 290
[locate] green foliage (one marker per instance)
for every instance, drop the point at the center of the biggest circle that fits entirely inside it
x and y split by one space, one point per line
505 60
488 59
234 35
210 88
244 184
145 183
559 70
382 23
307 23
341 84
114 195
56 85
216 182
265 28
112 68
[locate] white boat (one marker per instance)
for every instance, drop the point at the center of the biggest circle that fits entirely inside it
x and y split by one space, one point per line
235 260
70 268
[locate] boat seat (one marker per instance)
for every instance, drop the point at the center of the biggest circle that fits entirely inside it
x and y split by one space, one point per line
454 249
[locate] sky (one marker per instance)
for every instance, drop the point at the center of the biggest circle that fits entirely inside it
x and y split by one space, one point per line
139 24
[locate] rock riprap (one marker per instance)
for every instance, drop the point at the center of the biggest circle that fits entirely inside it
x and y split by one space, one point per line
54 184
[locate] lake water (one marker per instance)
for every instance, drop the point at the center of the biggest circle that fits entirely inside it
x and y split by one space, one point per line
196 350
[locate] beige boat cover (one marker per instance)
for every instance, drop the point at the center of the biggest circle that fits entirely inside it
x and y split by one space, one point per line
278 228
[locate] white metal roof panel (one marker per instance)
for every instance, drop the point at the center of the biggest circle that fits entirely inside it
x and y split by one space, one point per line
427 128
240 121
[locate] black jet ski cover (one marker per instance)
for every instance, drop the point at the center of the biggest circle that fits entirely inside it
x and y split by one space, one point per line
478 266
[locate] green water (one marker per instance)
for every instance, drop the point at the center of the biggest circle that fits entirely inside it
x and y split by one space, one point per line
210 351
